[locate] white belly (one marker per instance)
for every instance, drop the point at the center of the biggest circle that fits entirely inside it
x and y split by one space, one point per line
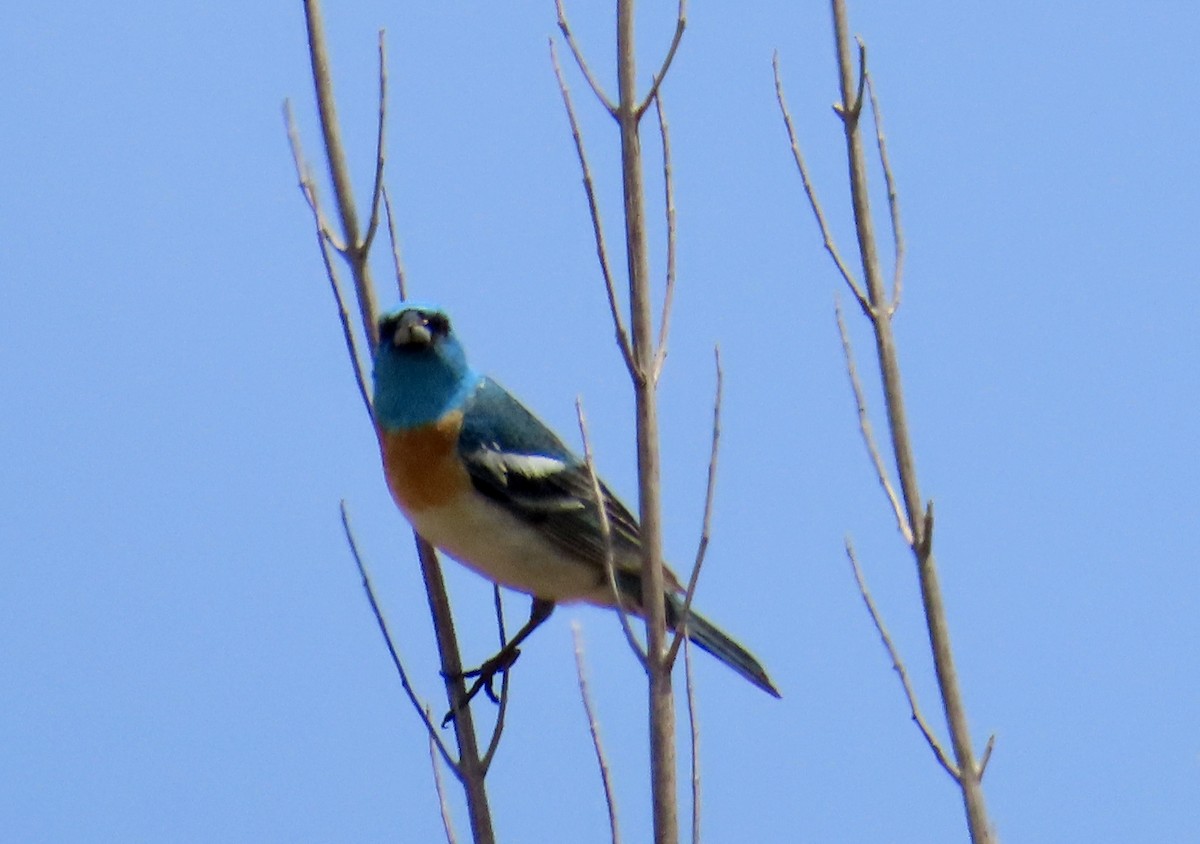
484 537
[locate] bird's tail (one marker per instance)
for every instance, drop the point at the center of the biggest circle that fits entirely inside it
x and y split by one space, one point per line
705 634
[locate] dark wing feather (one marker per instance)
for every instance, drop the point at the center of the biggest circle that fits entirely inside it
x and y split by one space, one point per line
519 463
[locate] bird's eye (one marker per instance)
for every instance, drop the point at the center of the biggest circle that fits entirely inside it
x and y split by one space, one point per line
438 324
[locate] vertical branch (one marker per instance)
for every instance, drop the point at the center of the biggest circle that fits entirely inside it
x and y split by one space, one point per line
694 728
339 170
661 704
469 769
917 515
664 326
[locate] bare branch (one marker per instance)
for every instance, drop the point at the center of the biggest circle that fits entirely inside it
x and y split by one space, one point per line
898 664
387 638
339 170
811 193
581 61
680 25
898 247
706 524
623 342
594 727
308 185
401 284
606 535
498 729
925 546
851 115
864 425
694 728
660 355
377 191
987 755
440 787
360 377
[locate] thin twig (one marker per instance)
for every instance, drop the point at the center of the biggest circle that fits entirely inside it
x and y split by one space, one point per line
565 27
898 664
325 242
439 786
680 25
308 185
339 170
694 727
811 193
594 727
380 155
498 729
660 355
401 284
387 638
706 524
468 769
851 115
898 247
610 288
864 425
606 537
987 755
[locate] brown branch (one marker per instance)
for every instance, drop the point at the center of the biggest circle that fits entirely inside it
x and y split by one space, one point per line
987 755
680 25
469 768
339 170
594 728
594 209
694 729
422 710
661 700
706 524
898 247
898 664
377 191
498 729
664 327
397 264
880 314
325 241
308 185
606 536
850 115
565 28
864 425
440 787
811 193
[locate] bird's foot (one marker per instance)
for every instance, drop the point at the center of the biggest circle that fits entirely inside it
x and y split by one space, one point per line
485 676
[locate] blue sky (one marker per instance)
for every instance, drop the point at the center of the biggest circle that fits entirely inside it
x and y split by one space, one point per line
185 652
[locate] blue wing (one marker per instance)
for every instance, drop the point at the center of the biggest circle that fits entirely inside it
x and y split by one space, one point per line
519 463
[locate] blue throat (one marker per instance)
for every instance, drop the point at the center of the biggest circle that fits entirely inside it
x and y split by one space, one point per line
417 388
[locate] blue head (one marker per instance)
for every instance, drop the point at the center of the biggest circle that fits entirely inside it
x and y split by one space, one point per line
421 370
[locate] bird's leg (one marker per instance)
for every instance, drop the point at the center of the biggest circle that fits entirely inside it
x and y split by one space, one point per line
504 658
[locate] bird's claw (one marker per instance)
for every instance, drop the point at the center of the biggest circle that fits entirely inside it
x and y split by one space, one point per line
484 676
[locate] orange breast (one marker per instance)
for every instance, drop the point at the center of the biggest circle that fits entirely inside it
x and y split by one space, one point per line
422 465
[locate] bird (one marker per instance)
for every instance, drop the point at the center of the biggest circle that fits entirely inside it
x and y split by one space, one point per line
481 478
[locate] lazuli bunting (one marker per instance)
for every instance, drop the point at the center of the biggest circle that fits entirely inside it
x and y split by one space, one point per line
482 479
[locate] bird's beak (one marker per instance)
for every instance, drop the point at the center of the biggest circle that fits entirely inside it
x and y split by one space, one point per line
411 330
